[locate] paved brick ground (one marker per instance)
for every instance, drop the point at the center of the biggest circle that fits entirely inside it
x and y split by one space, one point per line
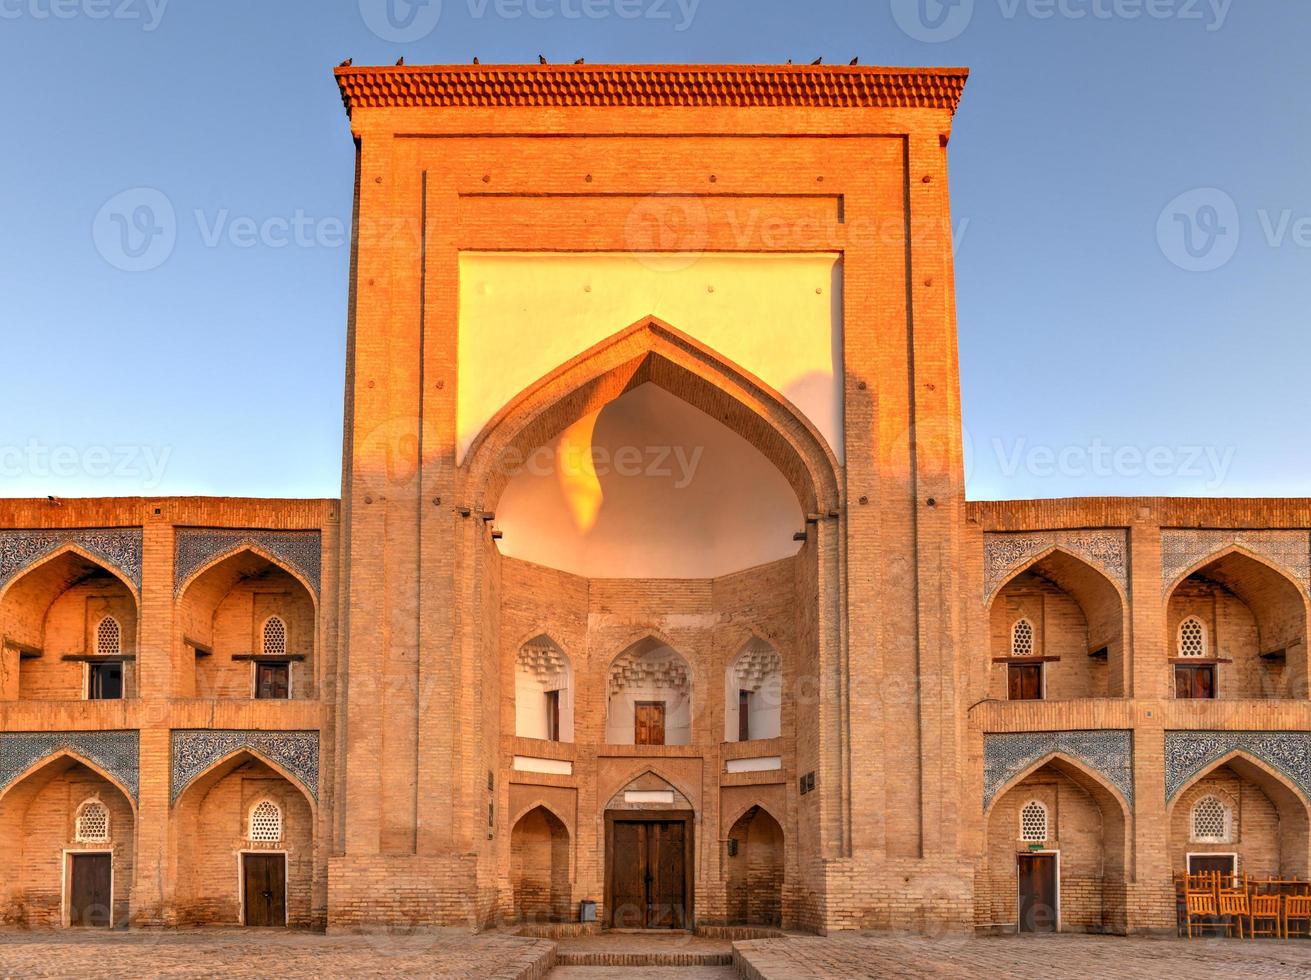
1030 958
257 953
239 954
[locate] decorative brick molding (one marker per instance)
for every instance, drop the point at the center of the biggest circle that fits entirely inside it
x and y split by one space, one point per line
539 86
119 547
117 753
1188 753
1109 753
196 547
1182 548
194 751
1004 552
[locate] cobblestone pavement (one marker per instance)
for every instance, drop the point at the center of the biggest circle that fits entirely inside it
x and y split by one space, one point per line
1028 958
259 953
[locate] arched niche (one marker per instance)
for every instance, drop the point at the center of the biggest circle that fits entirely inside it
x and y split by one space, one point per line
49 620
249 626
649 696
543 691
753 693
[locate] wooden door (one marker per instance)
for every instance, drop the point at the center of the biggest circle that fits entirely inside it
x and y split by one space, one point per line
649 723
1038 895
89 896
648 875
1194 682
628 876
667 908
265 889
1202 863
1025 682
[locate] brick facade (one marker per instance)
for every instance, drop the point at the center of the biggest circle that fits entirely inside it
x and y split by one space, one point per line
889 797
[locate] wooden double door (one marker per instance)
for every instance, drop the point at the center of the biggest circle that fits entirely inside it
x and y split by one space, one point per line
649 862
264 889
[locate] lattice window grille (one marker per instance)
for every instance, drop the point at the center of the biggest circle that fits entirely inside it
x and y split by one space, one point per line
92 823
109 637
275 636
1192 638
1022 639
1211 821
265 822
1033 821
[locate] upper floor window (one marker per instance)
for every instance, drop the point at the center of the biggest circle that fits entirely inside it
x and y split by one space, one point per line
1022 639
1033 822
274 642
92 823
1192 638
1212 821
265 822
109 637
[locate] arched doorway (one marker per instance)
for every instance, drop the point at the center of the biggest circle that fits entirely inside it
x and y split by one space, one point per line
754 870
243 835
1056 854
1240 817
69 851
249 626
1236 627
539 867
1057 632
69 626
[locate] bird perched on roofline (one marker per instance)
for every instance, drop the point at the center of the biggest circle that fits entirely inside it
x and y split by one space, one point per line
345 64
541 59
818 61
476 61
400 61
580 61
854 60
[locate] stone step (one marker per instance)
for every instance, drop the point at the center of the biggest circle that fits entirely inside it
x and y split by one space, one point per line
643 958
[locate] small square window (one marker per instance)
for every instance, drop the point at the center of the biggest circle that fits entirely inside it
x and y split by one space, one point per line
272 681
105 682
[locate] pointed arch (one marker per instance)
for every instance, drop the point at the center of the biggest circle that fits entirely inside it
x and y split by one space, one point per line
255 550
1065 555
539 803
72 548
1079 771
742 810
641 635
1246 759
223 764
650 350
1242 551
651 768
75 757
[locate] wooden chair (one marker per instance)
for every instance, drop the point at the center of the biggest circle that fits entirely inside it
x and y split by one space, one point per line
1265 908
1234 908
1199 906
1297 908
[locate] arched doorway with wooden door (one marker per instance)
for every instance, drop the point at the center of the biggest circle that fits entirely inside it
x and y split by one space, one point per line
649 856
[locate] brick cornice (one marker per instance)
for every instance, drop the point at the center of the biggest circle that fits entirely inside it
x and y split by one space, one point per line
650 85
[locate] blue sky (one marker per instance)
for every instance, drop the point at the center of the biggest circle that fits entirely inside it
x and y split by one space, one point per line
1129 182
